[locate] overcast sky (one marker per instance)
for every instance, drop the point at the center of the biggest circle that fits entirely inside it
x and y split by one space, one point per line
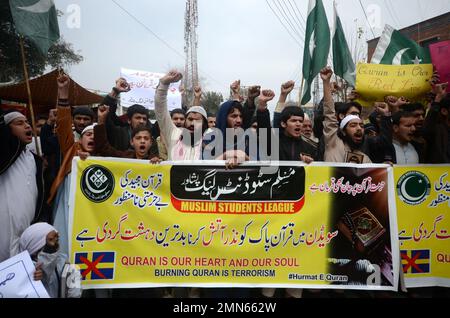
238 39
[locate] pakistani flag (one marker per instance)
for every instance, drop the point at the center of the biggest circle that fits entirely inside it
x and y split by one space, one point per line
396 49
342 58
36 20
317 45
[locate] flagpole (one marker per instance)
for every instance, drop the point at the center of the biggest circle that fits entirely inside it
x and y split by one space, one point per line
30 102
301 92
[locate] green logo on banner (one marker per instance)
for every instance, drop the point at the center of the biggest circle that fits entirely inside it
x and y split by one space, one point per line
413 187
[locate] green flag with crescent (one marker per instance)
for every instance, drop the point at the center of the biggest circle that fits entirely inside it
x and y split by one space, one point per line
317 45
36 20
396 49
342 58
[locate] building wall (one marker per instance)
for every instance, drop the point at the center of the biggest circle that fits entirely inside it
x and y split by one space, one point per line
425 33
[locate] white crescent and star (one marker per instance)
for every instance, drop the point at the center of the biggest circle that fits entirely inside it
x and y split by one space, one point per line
398 57
417 60
405 193
42 6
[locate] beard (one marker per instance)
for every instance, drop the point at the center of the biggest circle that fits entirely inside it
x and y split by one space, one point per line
191 138
353 145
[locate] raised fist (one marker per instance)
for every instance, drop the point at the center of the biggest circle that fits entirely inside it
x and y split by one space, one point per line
402 101
391 100
198 91
287 87
326 74
266 96
236 87
382 108
254 92
63 81
63 86
122 85
171 77
440 90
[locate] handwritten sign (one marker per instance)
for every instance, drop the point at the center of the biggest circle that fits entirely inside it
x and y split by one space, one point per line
375 81
440 55
143 86
16 279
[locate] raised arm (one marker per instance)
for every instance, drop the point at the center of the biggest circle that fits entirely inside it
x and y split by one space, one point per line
286 89
197 96
110 100
250 105
161 111
64 118
330 124
383 142
236 90
263 114
440 90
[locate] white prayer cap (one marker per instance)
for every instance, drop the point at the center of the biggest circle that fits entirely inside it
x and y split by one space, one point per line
198 109
348 119
10 117
91 127
307 117
34 237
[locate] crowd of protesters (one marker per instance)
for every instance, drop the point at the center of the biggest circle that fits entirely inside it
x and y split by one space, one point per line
34 190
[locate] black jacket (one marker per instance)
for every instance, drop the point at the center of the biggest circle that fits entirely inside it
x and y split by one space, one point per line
119 133
436 133
380 149
290 148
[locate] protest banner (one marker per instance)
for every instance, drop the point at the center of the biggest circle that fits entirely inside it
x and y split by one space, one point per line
323 226
440 55
143 86
376 81
423 205
16 278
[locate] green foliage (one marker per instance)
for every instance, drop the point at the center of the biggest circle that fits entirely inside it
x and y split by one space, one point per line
211 101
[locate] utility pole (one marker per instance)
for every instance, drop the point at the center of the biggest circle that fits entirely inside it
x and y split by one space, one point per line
190 50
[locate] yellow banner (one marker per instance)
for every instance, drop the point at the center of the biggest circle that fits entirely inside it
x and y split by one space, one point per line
141 225
376 81
423 205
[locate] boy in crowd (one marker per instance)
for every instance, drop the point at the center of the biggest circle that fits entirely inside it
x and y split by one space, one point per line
140 141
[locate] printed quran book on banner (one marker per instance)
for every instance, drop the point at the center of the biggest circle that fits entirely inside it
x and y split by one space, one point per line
362 229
